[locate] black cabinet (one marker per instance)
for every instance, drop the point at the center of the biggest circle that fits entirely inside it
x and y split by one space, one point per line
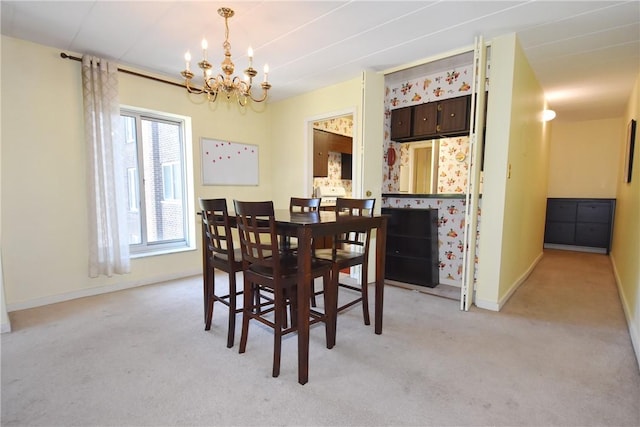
449 117
579 222
412 246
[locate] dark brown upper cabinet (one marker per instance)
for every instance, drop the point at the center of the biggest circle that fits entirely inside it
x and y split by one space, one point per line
401 123
454 115
323 142
425 120
449 117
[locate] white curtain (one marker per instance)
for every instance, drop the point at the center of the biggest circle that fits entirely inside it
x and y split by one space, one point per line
108 237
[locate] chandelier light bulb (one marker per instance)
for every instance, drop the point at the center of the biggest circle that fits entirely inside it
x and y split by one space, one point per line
266 71
205 45
187 59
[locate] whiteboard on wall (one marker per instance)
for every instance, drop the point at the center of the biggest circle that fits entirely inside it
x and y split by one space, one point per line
228 163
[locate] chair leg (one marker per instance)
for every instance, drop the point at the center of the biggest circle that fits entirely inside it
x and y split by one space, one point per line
365 294
247 308
330 287
313 294
277 331
209 292
232 309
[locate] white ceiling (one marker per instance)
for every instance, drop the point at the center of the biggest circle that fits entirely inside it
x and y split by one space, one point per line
586 54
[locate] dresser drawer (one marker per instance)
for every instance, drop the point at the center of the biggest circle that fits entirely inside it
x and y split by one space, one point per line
560 210
594 212
561 233
592 234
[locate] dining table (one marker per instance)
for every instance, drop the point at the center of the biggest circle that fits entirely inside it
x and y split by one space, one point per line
307 226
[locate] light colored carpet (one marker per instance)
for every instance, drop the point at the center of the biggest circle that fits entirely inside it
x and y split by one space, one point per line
559 354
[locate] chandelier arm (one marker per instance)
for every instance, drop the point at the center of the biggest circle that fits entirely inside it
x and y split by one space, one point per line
242 100
265 88
194 90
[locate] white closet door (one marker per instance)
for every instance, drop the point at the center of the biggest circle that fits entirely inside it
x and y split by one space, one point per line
476 141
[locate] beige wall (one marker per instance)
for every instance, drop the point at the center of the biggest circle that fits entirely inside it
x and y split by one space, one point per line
292 134
584 158
44 219
625 251
515 176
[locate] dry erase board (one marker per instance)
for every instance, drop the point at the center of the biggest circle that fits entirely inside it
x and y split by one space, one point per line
229 163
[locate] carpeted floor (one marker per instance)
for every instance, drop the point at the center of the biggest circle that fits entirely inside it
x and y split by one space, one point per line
558 354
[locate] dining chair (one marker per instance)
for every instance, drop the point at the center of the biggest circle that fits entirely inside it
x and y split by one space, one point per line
302 205
264 266
219 253
349 250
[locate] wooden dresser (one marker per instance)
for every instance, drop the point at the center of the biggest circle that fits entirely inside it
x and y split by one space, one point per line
580 224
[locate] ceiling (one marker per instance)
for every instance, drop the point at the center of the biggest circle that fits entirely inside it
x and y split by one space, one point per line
585 54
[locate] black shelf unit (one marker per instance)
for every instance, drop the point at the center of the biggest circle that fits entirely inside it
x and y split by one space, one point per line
579 223
412 246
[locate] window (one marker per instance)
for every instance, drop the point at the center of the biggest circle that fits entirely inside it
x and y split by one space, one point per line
171 181
156 180
132 189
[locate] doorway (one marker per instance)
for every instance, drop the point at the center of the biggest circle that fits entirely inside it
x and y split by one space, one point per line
342 168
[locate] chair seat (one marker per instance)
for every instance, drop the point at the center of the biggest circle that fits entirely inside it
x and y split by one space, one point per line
341 256
289 267
237 256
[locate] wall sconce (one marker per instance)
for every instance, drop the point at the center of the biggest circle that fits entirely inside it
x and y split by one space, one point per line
548 115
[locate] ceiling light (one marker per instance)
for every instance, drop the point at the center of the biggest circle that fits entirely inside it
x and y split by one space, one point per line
226 82
548 115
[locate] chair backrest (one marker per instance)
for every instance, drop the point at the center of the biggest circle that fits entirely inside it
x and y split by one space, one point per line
301 204
258 235
354 207
217 227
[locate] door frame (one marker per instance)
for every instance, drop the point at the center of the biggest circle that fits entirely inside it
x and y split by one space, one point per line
356 175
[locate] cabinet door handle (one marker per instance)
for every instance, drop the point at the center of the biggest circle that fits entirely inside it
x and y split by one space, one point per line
453 114
438 128
424 119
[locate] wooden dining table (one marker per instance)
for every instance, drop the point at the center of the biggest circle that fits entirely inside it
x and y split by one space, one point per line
309 225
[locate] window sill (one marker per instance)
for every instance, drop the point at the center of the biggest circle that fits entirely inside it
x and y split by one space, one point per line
166 251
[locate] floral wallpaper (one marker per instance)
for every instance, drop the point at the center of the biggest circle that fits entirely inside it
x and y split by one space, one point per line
341 126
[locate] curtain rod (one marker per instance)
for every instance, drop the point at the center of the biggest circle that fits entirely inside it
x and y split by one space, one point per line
134 73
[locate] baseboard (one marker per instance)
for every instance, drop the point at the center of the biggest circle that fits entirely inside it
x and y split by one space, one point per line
634 333
497 306
589 249
67 296
445 281
6 327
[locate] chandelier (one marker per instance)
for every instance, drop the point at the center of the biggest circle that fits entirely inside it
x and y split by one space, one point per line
226 82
